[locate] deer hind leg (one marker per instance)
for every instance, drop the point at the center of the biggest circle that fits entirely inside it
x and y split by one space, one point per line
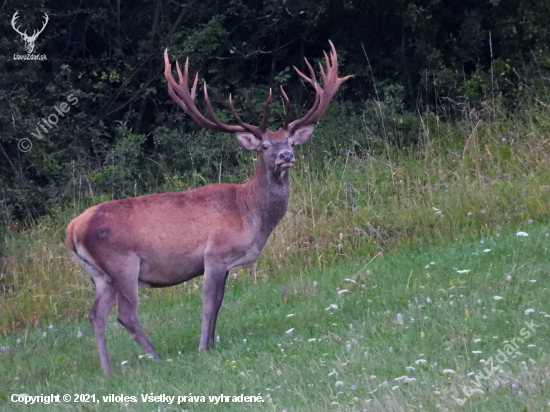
212 296
105 294
128 301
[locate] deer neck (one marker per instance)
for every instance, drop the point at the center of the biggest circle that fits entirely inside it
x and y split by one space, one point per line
267 194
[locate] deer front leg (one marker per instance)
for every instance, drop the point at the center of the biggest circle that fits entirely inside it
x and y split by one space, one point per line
212 295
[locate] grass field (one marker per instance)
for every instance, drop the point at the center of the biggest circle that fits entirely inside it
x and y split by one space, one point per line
401 332
395 282
468 178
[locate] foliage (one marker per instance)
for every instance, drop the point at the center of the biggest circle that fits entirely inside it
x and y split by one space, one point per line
409 57
346 201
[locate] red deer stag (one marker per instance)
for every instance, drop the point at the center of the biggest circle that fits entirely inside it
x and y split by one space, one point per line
165 239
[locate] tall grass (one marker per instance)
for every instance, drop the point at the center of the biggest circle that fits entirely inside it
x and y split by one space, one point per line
462 179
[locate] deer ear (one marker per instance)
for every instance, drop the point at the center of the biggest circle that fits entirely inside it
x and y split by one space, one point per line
301 135
248 140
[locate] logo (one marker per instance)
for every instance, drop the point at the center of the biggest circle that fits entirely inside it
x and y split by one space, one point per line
29 40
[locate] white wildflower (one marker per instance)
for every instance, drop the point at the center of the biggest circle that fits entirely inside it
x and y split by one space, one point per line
419 361
448 371
498 297
290 330
528 311
522 234
332 306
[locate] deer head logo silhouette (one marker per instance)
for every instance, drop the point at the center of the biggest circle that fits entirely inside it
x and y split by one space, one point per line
29 40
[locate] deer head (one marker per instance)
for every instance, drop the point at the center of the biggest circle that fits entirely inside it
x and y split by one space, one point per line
29 40
274 147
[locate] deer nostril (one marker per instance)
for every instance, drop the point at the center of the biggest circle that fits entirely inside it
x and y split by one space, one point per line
286 156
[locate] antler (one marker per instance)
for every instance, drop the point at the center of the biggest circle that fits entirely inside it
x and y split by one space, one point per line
15 16
331 83
185 98
36 33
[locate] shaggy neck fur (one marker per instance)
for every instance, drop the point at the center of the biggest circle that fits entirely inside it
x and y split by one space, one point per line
266 194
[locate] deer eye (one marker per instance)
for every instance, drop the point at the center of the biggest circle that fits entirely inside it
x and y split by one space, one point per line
291 143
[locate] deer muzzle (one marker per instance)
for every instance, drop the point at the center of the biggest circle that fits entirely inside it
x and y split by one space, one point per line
286 158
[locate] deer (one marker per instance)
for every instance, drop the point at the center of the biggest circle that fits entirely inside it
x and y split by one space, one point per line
29 40
165 239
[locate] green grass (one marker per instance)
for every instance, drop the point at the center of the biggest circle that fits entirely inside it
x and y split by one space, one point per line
379 201
263 350
352 209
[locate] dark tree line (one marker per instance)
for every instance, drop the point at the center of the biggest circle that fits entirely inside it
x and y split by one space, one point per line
125 135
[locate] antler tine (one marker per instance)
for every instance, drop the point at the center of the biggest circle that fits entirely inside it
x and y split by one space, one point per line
318 90
37 32
287 106
194 88
13 21
257 131
186 100
323 95
182 77
328 63
210 108
311 80
263 126
252 129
